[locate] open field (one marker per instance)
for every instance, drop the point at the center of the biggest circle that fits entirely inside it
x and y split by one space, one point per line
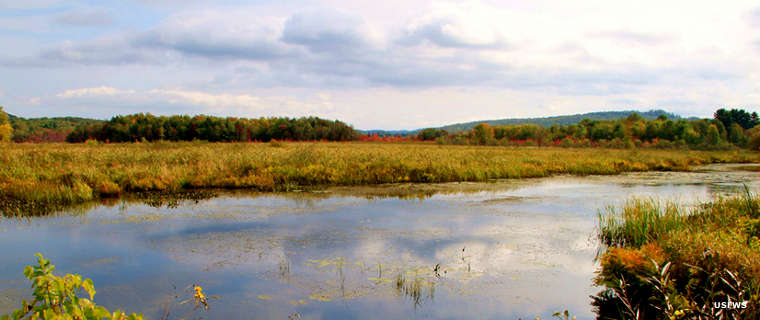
36 177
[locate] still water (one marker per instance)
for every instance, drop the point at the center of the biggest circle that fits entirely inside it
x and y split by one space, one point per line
502 250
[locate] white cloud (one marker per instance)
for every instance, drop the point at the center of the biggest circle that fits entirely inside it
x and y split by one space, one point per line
96 91
207 99
174 101
469 24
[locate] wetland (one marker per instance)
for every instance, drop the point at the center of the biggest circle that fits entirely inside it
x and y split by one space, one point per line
515 248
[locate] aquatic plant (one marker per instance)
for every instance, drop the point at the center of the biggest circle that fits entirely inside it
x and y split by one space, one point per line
563 315
415 288
640 221
59 297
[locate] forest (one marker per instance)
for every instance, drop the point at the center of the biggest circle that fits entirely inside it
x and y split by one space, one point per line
147 127
728 128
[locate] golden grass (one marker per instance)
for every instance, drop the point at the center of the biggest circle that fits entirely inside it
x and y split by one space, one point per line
40 175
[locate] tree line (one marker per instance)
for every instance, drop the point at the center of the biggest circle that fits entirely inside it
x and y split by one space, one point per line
728 128
147 127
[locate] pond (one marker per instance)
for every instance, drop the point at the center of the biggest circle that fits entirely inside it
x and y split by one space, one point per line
503 250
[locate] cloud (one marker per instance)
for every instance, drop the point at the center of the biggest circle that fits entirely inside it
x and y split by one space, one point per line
327 31
114 50
90 92
438 56
631 37
468 25
207 99
754 17
86 18
327 47
195 101
214 34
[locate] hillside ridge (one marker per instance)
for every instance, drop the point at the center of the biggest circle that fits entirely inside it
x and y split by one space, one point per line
543 121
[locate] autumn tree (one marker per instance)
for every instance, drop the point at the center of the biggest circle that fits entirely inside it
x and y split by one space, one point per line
6 131
483 133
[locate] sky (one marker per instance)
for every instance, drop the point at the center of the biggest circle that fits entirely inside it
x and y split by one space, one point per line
389 64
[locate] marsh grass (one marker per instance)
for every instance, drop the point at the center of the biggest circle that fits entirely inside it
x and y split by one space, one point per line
639 221
416 288
665 257
37 177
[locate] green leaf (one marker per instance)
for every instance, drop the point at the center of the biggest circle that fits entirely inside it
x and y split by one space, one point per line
102 312
89 288
135 317
56 298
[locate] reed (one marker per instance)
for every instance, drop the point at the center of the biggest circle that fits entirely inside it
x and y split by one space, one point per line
37 177
639 222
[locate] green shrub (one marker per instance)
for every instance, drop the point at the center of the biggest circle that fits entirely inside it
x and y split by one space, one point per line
59 297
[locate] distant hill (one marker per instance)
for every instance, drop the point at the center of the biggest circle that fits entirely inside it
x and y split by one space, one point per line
562 120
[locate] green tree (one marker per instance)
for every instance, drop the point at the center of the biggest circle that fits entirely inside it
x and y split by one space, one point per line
619 131
690 135
753 140
745 119
736 134
713 136
430 134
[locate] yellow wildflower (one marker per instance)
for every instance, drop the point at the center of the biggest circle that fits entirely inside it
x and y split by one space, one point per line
199 293
200 298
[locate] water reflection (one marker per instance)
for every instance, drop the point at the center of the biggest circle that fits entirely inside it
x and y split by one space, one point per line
495 250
